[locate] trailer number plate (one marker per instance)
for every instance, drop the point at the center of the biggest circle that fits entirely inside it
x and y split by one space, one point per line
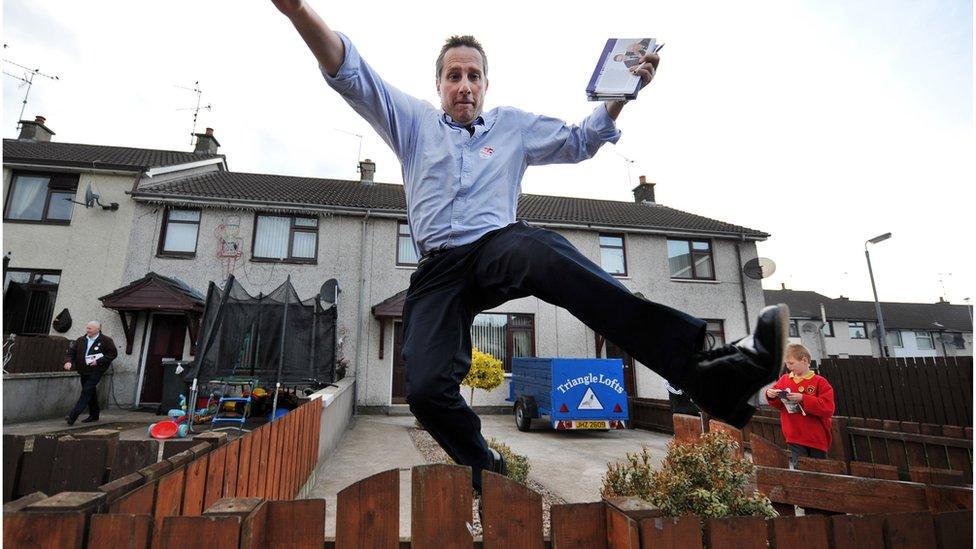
590 424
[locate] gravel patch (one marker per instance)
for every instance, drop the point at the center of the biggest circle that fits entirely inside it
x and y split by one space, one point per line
433 453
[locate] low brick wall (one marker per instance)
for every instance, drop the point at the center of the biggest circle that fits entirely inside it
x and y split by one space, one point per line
45 395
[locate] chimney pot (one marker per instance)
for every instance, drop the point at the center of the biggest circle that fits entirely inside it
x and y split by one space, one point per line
209 132
643 179
35 130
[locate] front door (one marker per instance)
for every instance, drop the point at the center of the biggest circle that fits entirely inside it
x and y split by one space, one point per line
399 395
616 352
166 341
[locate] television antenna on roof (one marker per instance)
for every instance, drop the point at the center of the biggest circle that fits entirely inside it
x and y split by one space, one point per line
28 79
196 110
629 162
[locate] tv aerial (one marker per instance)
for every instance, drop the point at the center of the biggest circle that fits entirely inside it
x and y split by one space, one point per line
629 162
196 110
28 79
92 199
759 268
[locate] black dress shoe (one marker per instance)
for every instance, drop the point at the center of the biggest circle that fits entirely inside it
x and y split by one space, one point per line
498 464
722 380
70 420
89 419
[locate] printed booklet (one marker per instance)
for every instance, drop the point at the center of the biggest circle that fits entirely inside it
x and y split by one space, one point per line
612 79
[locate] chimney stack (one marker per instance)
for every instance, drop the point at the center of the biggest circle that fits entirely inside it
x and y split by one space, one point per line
644 193
206 143
35 130
366 170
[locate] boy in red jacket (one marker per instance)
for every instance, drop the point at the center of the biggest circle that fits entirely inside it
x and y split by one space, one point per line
806 402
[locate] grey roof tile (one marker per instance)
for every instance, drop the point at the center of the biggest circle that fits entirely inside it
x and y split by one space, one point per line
82 155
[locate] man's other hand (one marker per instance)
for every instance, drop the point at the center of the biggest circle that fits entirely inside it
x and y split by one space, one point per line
647 68
67 365
795 397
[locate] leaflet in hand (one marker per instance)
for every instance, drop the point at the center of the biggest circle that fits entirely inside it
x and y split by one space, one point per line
612 79
92 359
791 407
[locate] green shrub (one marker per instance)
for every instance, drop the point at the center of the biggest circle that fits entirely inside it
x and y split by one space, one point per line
518 465
704 478
486 372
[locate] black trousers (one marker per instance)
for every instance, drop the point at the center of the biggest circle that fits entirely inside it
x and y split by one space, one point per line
89 395
450 287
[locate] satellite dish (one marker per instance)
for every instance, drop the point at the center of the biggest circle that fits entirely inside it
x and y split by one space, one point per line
90 197
329 294
759 268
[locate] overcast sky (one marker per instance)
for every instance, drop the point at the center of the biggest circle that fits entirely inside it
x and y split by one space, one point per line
821 122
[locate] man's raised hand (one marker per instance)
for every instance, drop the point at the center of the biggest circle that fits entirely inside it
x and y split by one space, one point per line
288 7
646 68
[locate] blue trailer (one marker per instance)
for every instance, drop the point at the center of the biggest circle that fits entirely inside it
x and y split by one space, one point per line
574 393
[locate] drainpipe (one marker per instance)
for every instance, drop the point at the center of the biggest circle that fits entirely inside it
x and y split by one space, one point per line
742 281
360 367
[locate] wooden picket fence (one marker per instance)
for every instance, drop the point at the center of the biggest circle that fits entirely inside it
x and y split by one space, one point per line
368 517
33 354
272 462
935 390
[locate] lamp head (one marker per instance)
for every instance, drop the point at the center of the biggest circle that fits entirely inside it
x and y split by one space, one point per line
880 238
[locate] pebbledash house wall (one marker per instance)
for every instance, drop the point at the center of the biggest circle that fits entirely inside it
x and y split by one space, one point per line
360 252
90 251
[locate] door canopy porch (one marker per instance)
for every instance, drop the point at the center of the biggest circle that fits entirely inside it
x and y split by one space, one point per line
155 293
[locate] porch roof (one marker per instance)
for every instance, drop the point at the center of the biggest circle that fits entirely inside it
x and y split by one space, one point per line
155 292
391 307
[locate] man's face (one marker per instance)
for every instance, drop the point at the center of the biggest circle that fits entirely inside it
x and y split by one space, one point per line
91 329
462 84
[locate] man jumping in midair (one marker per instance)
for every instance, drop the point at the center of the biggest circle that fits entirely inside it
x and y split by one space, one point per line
462 173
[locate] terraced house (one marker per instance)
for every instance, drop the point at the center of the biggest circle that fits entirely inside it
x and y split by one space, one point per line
177 229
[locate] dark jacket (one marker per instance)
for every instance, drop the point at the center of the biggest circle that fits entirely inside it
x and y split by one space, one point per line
76 354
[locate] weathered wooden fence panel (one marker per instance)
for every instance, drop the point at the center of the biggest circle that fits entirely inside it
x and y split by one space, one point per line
368 512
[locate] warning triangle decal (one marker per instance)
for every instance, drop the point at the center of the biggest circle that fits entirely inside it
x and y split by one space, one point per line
589 402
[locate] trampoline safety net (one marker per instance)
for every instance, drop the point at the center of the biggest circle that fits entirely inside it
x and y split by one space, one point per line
273 337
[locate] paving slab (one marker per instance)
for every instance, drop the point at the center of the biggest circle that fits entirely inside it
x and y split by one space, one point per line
570 464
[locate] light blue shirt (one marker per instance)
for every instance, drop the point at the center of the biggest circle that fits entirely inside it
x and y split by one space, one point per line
460 186
91 341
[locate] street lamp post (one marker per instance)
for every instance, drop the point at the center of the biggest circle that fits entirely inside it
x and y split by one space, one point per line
882 336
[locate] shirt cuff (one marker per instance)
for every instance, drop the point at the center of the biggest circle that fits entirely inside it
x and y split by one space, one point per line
605 127
349 68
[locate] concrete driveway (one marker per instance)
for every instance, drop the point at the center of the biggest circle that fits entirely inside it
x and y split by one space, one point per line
570 464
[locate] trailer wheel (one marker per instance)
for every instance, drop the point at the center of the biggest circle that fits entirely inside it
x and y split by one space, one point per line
523 421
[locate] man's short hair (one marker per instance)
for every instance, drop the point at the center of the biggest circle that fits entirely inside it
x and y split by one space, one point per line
457 42
797 351
95 322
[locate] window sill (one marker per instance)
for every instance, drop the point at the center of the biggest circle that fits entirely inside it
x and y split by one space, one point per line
406 267
620 276
36 222
695 280
285 261
176 256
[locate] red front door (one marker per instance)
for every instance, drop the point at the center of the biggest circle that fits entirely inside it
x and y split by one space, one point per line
399 395
167 339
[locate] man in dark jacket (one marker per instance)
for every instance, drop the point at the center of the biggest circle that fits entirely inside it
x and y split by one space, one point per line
90 355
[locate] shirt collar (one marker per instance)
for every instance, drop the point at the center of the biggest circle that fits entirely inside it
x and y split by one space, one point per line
804 377
486 119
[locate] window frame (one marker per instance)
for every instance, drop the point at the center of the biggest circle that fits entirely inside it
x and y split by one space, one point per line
509 335
67 182
160 251
929 338
292 229
409 235
851 325
31 282
622 248
901 339
829 326
794 330
710 334
694 271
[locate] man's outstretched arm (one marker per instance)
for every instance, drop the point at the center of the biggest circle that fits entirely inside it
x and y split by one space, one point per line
323 41
646 70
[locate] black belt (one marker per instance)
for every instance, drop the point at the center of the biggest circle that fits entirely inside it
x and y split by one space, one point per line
430 254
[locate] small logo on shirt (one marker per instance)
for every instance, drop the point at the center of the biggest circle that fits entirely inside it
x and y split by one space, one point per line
486 152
